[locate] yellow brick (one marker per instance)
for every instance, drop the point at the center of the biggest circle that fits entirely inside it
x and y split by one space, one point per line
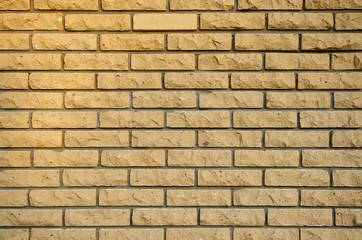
66 4
129 81
9 41
45 139
267 80
347 178
64 120
62 81
100 177
296 61
328 42
254 119
199 197
202 5
229 138
135 158
54 198
31 21
131 197
331 198
14 80
31 100
90 61
162 177
203 41
343 80
348 21
197 233
347 61
157 22
64 41
97 100
14 120
331 119
229 178
97 22
139 119
29 178
296 177
169 99
15 159
349 217
161 217
231 100
194 119
298 100
65 158
269 42
163 62
331 234
230 62
262 158
134 234
296 139
347 139
300 21
333 4
270 5
232 217
265 233
132 42
332 158
163 138
96 138
14 234
199 158
266 197
56 233
196 80
19 61
13 198
133 5
97 217
30 217
300 217
15 5
348 100
232 21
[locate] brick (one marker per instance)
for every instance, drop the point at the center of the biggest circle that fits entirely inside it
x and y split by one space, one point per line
162 177
194 119
197 233
254 119
230 62
65 197
342 80
231 100
348 21
14 234
15 159
348 100
199 158
55 233
266 197
90 61
324 42
300 21
9 41
232 217
169 99
229 138
14 139
266 158
331 119
64 120
162 217
225 5
97 217
229 178
14 80
100 177
300 217
135 158
265 233
198 198
296 61
29 178
134 234
298 100
97 100
332 4
332 234
266 80
266 42
65 158
163 62
15 5
132 42
131 197
331 158
139 119
13 198
196 80
163 138
30 217
66 4
198 42
347 139
14 120
347 178
31 21
30 100
296 177
64 41
349 217
19 61
352 198
232 21
270 5
158 22
129 81
62 80
134 5
97 22
347 61
96 138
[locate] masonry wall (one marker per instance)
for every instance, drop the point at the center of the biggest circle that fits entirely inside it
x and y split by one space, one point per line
180 119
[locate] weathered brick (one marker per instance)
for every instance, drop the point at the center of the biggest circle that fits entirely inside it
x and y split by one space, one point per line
9 41
62 81
44 139
296 61
347 61
15 159
65 158
348 100
347 178
244 99
56 233
66 4
14 80
31 21
254 119
333 4
129 81
29 178
135 158
90 61
134 5
29 61
229 178
13 198
296 177
199 158
30 100
97 217
64 120
335 41
300 21
266 80
266 233
262 158
14 120
198 198
163 62
266 197
163 138
132 42
134 234
225 5
331 158
15 5
336 80
232 21
197 233
100 177
232 217
14 234
349 217
97 100
348 21
169 99
268 42
194 119
162 216
204 41
139 119
162 177
347 139
296 139
229 138
196 80
331 119
322 198
30 217
64 41
297 100
158 22
230 62
53 198
270 5
97 22
300 217
96 138
131 197
332 234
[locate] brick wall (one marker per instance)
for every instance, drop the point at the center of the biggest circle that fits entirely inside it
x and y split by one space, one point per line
180 119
